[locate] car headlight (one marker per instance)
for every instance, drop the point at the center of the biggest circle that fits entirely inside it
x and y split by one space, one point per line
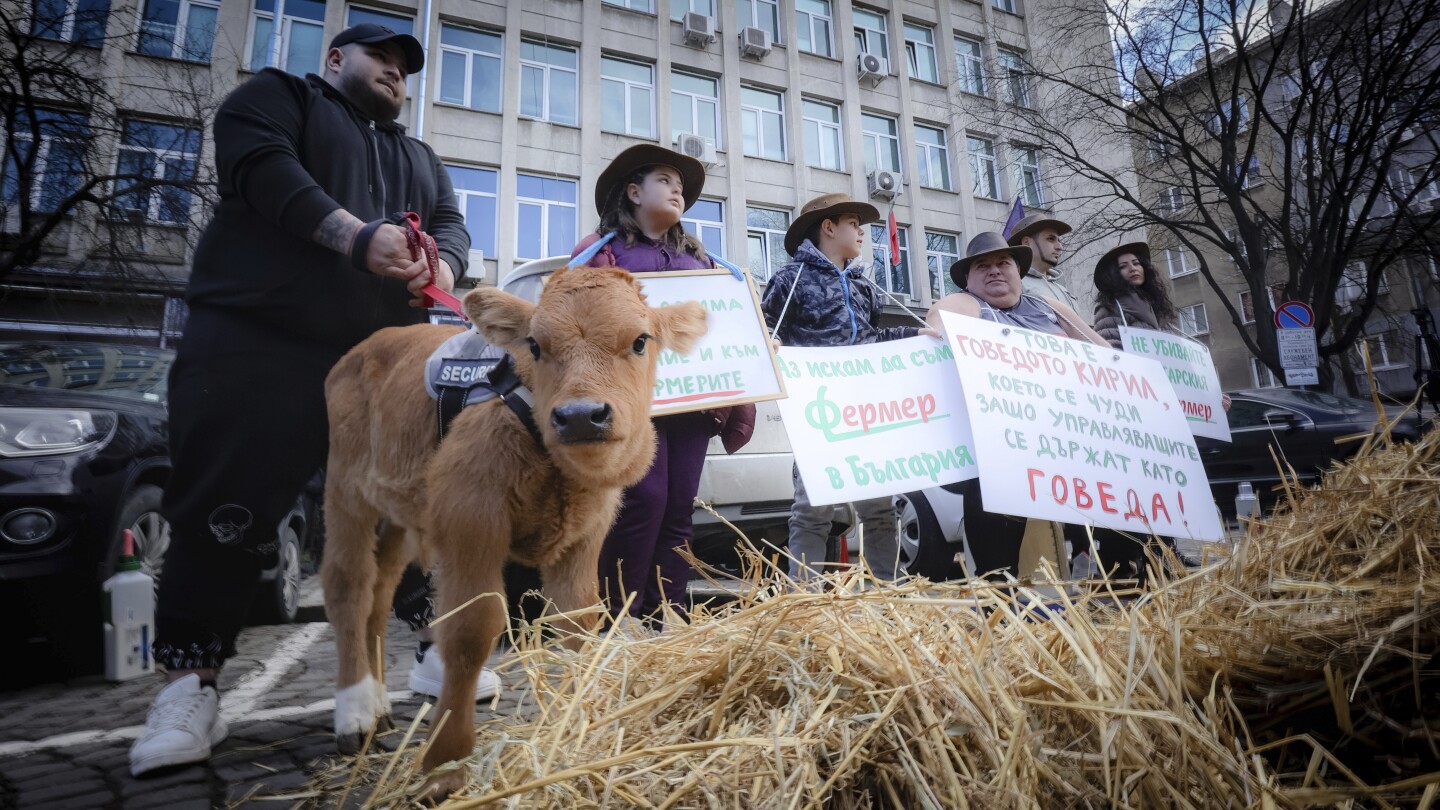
51 431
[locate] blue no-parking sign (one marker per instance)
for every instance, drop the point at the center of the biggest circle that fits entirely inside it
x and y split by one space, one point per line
1294 315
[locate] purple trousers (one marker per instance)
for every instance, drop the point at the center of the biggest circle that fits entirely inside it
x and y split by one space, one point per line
641 554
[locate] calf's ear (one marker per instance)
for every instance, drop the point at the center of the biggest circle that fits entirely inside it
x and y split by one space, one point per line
503 319
678 326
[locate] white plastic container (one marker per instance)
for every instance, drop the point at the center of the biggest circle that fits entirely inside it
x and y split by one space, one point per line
1247 506
129 605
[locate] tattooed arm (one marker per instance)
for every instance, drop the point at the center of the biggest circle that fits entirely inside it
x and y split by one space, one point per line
387 253
337 231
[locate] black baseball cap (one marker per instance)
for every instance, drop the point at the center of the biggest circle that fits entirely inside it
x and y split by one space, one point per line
374 34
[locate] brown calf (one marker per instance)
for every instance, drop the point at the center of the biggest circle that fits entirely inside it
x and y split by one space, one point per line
487 493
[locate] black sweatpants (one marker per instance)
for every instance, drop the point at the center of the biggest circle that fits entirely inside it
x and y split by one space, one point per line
993 539
248 429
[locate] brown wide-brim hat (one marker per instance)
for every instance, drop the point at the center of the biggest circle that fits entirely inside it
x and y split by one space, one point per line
983 243
692 172
1032 224
1113 255
822 208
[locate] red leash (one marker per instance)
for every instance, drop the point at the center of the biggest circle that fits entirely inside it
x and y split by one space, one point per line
423 244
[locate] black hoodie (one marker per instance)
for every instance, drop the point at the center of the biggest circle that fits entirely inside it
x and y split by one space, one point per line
288 152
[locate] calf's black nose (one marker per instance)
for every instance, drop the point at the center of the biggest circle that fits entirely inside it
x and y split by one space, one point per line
582 421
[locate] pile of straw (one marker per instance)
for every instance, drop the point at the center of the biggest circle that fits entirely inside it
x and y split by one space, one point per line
1290 674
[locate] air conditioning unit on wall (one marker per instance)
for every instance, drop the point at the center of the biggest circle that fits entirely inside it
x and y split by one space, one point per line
696 146
872 68
755 42
699 28
884 184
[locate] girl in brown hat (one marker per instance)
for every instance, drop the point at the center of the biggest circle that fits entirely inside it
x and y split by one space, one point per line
640 197
1131 293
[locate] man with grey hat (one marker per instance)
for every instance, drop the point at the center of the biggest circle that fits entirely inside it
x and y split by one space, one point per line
300 262
1042 234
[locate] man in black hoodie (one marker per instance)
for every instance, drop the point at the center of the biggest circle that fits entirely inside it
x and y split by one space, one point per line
296 267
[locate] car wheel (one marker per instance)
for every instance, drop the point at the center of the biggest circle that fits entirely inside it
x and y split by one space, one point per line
279 601
141 515
924 551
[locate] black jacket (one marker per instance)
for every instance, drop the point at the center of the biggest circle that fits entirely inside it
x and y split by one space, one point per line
288 152
1127 310
830 307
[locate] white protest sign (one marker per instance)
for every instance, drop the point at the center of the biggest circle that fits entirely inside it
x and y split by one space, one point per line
1192 373
733 363
876 419
1073 432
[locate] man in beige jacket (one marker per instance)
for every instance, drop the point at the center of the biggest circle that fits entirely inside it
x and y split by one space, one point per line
1042 235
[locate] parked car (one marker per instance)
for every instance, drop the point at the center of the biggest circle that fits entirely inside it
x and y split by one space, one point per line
83 456
751 489
1301 427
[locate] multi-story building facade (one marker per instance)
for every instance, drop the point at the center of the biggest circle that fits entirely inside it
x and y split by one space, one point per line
526 102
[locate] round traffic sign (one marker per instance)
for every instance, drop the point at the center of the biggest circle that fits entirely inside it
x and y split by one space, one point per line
1294 315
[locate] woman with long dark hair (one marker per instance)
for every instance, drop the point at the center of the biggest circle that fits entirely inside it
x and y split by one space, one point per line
1131 293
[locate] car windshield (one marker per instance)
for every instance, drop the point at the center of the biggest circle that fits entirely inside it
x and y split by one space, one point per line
124 372
1329 402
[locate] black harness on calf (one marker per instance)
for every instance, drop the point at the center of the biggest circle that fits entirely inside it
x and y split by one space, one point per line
465 382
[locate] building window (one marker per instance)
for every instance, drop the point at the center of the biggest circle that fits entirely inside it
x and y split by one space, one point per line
395 22
762 14
813 27
1193 320
1380 359
932 157
765 241
1157 148
633 5
695 106
920 52
1027 176
1230 110
762 119
1240 252
1262 376
1180 262
79 21
179 29
882 142
705 220
545 216
1353 283
302 36
1250 174
475 194
941 251
871 33
471 70
627 97
678 8
970 65
983 167
1247 305
892 277
1006 6
823 145
1017 79
548 80
156 153
59 159
1171 198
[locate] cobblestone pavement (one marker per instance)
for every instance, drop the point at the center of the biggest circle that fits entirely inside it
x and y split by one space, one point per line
66 745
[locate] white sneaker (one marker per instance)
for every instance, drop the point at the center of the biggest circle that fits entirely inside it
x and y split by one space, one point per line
429 672
184 723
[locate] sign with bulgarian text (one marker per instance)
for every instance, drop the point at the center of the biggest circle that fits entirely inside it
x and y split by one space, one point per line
733 363
1074 432
874 420
1191 372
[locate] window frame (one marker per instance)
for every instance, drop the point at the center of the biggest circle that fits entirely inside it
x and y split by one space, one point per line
938 263
772 243
180 32
158 164
754 7
1012 66
811 19
629 87
694 101
970 67
835 126
68 29
871 140
1007 6
880 254
1171 198
759 114
869 35
545 206
470 56
698 226
989 161
912 51
43 183
546 87
929 155
625 4
1185 269
1204 315
1027 161
1256 367
287 26
679 8
461 200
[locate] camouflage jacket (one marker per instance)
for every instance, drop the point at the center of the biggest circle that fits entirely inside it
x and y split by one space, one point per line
830 307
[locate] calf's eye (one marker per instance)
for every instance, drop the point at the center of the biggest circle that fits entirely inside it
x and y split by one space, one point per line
534 348
639 345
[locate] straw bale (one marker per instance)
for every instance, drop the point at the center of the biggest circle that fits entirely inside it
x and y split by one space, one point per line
1292 672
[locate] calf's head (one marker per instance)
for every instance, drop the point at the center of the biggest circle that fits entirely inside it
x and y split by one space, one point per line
587 351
